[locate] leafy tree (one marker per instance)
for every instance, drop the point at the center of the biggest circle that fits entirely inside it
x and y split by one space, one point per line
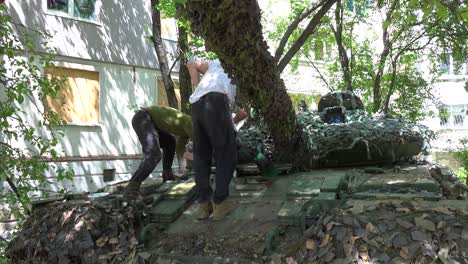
386 79
26 144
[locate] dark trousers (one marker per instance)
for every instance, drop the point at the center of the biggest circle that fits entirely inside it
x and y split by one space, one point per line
152 140
213 136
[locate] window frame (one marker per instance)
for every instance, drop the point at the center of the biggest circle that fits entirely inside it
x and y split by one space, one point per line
70 12
454 117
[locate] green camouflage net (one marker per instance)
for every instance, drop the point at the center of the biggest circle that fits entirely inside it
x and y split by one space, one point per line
383 138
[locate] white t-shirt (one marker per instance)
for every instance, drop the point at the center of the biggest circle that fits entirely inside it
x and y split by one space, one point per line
214 80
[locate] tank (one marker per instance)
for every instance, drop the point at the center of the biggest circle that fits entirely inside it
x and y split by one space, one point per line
341 133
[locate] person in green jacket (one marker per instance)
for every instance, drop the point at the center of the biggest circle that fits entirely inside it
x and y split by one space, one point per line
159 127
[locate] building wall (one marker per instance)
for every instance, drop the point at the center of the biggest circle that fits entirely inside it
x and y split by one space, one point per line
111 143
117 36
115 46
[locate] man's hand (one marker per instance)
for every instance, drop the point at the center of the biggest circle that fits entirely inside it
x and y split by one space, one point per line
188 155
240 115
182 171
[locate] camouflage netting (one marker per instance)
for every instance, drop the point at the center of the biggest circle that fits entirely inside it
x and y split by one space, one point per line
77 231
389 232
344 98
377 137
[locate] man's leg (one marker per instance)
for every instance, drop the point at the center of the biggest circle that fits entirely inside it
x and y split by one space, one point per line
202 155
220 128
168 144
149 139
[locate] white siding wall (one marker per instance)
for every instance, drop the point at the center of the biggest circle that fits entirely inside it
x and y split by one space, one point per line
116 47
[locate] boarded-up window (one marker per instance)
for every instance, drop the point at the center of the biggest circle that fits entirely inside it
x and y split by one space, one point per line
162 95
78 101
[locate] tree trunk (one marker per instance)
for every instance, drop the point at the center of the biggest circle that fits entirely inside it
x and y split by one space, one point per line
344 60
233 31
392 85
185 84
161 53
378 78
387 46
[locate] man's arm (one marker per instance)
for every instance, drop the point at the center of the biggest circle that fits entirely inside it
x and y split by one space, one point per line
240 115
195 68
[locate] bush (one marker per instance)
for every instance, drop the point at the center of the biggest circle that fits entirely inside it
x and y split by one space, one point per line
26 145
462 173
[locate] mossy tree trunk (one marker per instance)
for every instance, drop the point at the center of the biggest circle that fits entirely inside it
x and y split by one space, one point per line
232 30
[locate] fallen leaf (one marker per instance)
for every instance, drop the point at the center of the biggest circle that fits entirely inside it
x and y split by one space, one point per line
363 252
400 241
325 240
404 223
427 249
442 210
371 228
348 220
424 223
464 234
332 223
114 240
358 209
404 253
441 224
360 232
328 257
101 241
144 255
340 232
311 244
417 235
383 257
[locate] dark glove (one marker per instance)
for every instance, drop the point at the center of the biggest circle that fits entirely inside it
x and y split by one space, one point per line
263 163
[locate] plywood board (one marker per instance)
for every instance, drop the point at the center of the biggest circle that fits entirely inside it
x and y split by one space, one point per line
78 100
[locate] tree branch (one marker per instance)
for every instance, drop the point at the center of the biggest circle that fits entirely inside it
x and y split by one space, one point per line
15 190
309 30
293 26
318 71
387 44
173 64
344 60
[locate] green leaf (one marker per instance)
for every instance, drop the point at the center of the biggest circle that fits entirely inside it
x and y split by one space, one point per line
442 11
413 3
386 24
20 99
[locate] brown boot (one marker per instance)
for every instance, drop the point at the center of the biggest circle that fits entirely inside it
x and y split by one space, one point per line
167 175
222 209
132 192
203 210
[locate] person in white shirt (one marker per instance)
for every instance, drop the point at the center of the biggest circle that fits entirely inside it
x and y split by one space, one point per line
213 137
